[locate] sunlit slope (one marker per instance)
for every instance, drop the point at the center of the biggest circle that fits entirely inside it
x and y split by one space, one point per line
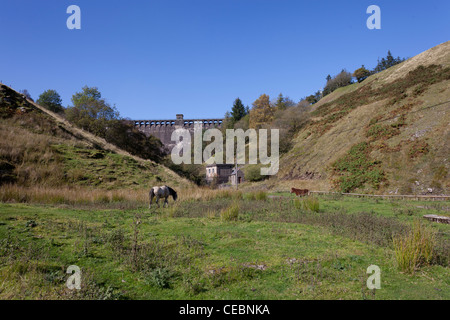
389 133
41 148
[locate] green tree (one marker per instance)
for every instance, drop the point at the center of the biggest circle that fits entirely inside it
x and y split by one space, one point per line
238 111
342 79
94 114
386 63
126 136
314 98
51 100
228 122
361 73
90 111
283 102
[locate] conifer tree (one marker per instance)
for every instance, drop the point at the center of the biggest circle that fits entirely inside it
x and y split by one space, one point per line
238 111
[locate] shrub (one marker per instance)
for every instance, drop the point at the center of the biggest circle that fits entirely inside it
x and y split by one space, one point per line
256 195
415 248
341 80
298 204
361 73
228 194
231 213
261 195
378 131
419 148
253 173
311 204
210 214
356 168
160 277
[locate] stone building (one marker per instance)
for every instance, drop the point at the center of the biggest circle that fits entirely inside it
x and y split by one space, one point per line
220 172
239 176
223 173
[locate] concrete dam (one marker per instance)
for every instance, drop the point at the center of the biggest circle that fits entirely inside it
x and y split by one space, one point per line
162 129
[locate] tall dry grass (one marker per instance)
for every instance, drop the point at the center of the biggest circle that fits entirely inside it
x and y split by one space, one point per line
89 196
415 248
205 194
256 195
231 213
311 203
71 196
31 154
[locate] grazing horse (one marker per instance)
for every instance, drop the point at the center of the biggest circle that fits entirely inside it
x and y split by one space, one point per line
299 192
162 192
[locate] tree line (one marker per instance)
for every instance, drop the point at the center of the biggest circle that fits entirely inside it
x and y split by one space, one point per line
345 78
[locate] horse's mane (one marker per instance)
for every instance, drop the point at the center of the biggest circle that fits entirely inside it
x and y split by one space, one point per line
173 193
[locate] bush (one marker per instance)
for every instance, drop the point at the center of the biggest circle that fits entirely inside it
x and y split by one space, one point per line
231 213
361 74
415 248
253 173
160 277
341 80
298 204
357 168
256 195
311 204
51 100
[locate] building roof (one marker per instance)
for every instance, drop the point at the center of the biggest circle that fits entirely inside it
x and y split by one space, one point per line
220 165
234 171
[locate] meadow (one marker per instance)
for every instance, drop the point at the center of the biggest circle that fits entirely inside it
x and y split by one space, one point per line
218 245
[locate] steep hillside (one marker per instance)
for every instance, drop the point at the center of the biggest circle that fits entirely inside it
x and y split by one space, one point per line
388 134
41 148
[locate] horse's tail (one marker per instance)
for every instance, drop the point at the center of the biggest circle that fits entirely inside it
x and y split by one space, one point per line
151 194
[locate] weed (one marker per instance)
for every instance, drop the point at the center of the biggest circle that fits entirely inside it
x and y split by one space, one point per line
311 204
419 148
231 213
160 277
414 248
256 195
357 168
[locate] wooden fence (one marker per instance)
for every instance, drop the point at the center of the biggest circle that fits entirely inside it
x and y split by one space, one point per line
385 196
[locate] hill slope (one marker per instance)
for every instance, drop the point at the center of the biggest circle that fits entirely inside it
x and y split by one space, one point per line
39 147
388 134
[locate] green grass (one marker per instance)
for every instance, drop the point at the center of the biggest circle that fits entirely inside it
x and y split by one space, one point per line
272 250
103 169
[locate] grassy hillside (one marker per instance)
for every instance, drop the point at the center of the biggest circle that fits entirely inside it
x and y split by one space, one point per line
388 134
41 149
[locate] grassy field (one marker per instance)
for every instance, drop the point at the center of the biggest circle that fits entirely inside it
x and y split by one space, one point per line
224 245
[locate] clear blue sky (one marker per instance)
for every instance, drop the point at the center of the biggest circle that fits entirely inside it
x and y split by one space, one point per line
153 59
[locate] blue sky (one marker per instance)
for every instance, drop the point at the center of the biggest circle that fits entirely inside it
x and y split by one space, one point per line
153 59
